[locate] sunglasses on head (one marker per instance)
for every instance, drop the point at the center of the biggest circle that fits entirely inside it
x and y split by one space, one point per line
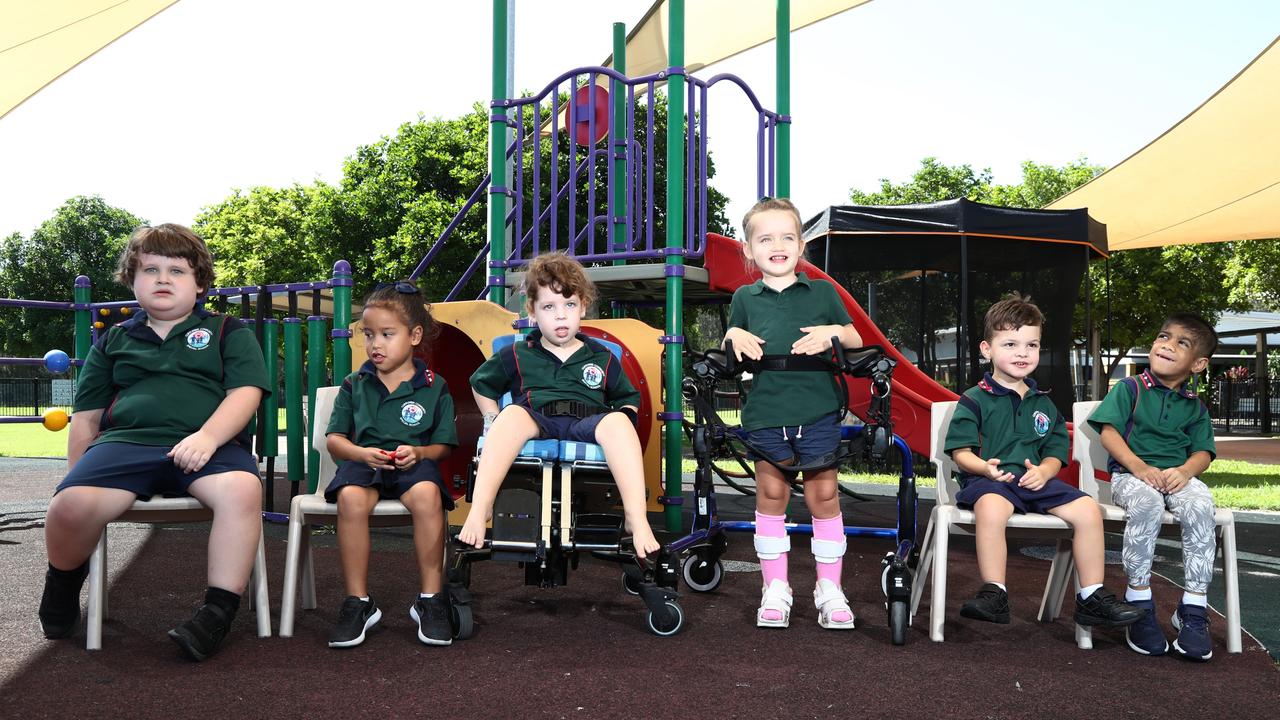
404 287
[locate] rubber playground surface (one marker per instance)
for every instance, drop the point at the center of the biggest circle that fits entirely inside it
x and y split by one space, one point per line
582 650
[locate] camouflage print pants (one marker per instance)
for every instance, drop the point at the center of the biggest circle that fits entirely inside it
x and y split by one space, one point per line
1192 507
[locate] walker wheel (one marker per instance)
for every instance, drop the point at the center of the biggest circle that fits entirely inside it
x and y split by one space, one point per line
899 621
670 625
701 573
461 619
630 585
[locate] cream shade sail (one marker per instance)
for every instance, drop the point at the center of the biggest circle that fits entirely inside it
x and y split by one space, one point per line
716 30
1214 176
42 39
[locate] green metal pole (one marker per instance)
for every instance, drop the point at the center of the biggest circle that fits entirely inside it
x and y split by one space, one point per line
675 261
341 284
81 294
498 157
271 405
618 91
294 429
316 326
783 44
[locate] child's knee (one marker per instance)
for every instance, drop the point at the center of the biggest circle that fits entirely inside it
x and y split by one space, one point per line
423 498
353 499
69 509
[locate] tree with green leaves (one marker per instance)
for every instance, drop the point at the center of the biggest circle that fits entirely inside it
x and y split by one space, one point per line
84 237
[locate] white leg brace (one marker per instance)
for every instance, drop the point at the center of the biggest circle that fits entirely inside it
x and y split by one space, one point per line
828 551
772 548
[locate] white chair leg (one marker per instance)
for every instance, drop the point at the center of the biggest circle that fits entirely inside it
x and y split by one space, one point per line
938 602
97 594
922 568
308 571
261 601
1056 584
292 557
1231 579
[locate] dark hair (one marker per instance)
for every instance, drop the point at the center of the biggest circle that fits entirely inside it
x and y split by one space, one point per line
1011 313
404 299
562 274
169 240
1198 328
771 203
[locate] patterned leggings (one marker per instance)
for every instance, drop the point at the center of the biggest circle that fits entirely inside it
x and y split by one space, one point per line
1192 507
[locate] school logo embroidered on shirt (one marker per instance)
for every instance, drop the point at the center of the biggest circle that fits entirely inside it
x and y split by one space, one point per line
411 413
199 338
592 375
1040 422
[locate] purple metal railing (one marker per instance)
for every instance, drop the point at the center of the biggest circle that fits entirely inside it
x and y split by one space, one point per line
567 211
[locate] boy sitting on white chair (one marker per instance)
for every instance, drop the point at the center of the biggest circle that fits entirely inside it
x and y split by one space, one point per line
1160 439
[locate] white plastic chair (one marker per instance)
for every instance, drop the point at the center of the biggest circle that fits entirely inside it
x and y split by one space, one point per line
311 509
167 510
1095 480
947 519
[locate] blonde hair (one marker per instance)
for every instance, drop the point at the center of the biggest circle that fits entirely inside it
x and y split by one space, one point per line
766 204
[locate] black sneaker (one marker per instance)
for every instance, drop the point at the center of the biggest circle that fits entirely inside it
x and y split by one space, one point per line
60 603
432 616
1103 608
991 605
355 617
200 636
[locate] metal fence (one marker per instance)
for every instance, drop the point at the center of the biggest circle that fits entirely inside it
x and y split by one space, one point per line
25 396
1234 406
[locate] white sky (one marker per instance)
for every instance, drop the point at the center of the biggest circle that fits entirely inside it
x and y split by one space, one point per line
213 95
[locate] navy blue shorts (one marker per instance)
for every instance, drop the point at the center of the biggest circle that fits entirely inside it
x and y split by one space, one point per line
566 427
1054 493
803 444
390 484
144 470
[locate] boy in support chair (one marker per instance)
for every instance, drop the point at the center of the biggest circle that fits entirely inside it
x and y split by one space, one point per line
1009 442
1160 439
563 385
162 406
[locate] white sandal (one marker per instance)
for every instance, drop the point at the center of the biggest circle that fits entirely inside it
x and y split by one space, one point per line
830 599
775 597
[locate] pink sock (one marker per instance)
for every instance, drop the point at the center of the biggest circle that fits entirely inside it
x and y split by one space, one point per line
772 526
830 529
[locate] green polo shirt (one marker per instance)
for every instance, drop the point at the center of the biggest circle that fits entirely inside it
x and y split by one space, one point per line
784 397
535 377
157 392
1162 426
994 422
419 412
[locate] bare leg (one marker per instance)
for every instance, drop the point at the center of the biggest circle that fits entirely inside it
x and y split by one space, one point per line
423 500
616 435
820 494
1088 545
75 520
773 492
991 515
510 431
354 505
236 501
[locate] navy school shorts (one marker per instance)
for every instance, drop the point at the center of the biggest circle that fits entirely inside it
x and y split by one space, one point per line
1054 493
144 470
566 427
390 484
804 444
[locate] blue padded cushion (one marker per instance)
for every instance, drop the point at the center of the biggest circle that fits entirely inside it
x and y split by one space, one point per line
541 449
573 450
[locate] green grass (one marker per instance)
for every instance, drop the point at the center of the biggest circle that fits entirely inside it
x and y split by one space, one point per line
1243 485
31 440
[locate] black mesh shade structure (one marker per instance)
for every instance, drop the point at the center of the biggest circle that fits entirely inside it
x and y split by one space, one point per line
929 272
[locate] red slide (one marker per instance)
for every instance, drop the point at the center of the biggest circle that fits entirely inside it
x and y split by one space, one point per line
913 391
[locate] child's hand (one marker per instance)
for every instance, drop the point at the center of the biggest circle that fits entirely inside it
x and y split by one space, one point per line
1033 479
744 344
406 456
816 339
1174 479
1152 477
377 458
993 471
193 451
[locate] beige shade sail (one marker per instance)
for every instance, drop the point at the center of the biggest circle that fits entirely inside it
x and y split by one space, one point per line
716 30
1213 177
42 39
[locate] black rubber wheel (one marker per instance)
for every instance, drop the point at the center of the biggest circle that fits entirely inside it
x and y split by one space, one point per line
899 621
462 621
701 573
673 624
630 586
